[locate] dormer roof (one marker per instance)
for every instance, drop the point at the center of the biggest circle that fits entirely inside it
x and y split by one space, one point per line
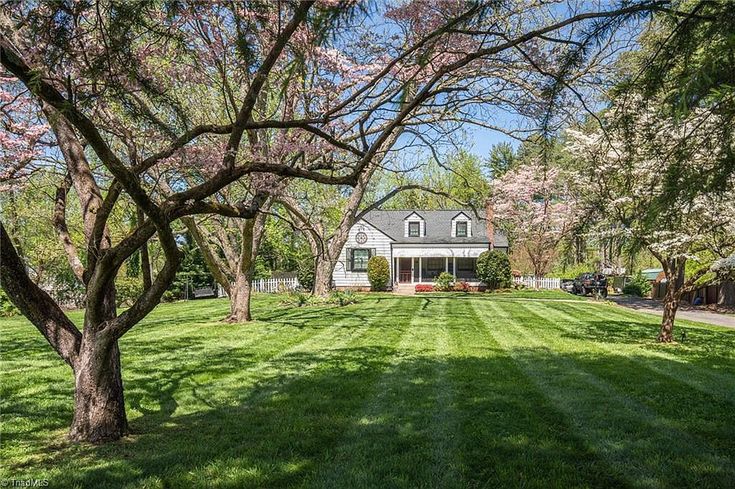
438 226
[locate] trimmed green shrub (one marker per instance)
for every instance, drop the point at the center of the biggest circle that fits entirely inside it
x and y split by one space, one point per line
493 268
305 274
444 282
639 286
378 271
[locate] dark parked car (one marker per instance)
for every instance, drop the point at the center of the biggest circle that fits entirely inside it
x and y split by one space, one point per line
567 285
590 283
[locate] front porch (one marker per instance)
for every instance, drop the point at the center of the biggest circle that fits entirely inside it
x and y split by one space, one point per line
422 269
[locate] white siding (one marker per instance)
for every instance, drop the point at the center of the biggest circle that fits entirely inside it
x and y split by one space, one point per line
376 240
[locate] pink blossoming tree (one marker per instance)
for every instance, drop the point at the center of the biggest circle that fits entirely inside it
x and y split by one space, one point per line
534 204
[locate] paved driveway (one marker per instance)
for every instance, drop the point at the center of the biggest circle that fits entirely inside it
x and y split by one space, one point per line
655 307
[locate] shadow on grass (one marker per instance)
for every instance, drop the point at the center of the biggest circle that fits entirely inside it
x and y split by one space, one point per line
711 348
217 414
359 418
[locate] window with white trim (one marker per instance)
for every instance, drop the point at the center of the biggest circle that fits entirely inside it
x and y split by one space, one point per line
360 257
461 229
414 229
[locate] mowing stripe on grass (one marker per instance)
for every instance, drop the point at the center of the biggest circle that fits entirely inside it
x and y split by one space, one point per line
300 357
194 382
638 444
328 365
714 385
393 435
705 427
509 433
445 464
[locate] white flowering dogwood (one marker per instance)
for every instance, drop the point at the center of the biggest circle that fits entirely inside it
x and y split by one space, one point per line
651 177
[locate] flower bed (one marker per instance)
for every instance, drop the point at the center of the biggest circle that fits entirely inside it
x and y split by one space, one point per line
424 288
462 287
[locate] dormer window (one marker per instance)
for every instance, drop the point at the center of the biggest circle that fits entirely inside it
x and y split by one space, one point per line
414 226
461 226
414 229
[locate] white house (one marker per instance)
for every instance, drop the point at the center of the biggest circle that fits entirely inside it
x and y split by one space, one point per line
418 244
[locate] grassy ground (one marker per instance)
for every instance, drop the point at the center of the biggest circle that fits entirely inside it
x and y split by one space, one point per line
425 391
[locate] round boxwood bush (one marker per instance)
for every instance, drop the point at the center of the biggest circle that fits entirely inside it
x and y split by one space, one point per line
444 282
493 268
378 271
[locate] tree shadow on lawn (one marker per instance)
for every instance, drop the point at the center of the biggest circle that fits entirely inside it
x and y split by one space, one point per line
359 417
706 347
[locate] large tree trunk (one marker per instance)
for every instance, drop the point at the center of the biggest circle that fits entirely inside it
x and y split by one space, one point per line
240 298
99 404
726 296
99 408
241 290
674 269
671 304
325 264
323 276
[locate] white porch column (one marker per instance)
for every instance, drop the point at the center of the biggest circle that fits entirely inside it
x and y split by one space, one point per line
446 264
420 278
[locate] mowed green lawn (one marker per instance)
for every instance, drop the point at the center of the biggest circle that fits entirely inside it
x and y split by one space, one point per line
424 391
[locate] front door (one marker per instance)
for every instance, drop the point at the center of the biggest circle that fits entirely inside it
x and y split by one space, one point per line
404 270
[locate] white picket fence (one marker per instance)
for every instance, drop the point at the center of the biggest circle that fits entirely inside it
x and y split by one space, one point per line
275 284
268 285
538 282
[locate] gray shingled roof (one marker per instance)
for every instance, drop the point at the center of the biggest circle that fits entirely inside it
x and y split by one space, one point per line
438 227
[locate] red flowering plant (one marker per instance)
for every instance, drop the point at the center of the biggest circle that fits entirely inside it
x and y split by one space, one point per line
461 286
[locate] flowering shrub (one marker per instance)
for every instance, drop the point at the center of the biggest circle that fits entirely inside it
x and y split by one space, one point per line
536 206
424 288
461 286
724 268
